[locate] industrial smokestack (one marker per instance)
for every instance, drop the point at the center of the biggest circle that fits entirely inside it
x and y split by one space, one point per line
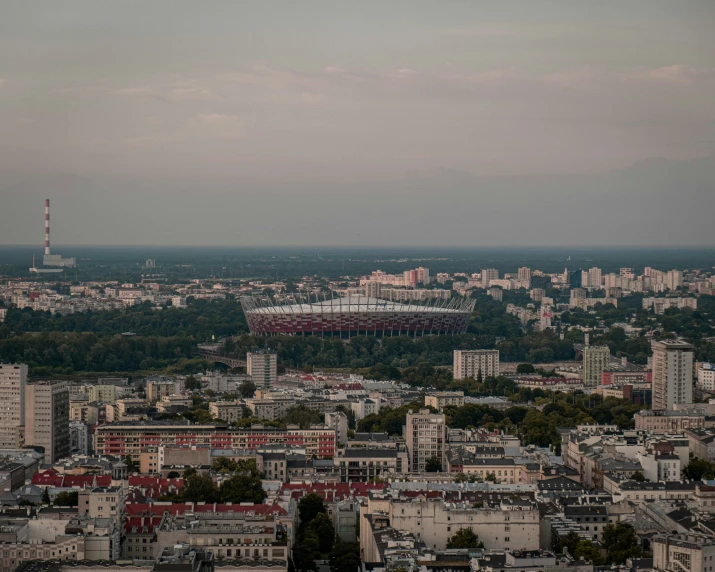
47 227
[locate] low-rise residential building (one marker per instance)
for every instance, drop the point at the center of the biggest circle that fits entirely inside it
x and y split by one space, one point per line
441 399
702 443
668 421
363 464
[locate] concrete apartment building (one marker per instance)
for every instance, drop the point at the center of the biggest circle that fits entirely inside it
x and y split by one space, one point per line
468 363
706 376
426 436
13 378
443 399
680 552
47 418
672 373
262 367
103 393
155 390
595 360
663 422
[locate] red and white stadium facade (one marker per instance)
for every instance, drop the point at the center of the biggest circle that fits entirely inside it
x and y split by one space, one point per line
355 315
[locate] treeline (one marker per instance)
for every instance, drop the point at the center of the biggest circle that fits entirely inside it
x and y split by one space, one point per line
400 351
67 353
534 425
200 320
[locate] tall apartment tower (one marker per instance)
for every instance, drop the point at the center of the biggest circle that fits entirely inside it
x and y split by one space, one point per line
13 378
595 277
262 366
423 275
468 363
372 289
489 274
425 436
47 418
672 373
595 360
524 273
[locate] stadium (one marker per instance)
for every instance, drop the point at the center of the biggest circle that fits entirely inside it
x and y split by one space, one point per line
354 315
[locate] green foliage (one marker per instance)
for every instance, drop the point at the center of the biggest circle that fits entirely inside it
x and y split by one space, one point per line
66 498
303 416
464 538
621 542
190 471
585 550
433 465
310 506
322 527
387 420
698 469
244 485
173 475
200 487
247 389
304 557
345 557
525 368
570 542
193 384
46 496
132 467
638 476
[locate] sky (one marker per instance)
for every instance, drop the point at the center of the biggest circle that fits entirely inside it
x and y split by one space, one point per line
499 123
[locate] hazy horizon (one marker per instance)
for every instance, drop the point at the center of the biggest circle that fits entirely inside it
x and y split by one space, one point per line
358 124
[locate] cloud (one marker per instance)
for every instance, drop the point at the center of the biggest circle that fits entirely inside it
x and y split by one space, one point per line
676 74
216 118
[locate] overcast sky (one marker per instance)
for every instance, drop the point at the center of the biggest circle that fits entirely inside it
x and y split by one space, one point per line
519 122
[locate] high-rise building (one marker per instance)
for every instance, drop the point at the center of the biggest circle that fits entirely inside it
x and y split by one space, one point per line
578 293
575 279
468 363
674 279
13 378
425 437
489 274
47 418
595 360
372 289
595 277
262 366
524 273
537 294
672 373
628 273
423 275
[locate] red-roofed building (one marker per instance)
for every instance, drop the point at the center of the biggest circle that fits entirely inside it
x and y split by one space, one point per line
52 478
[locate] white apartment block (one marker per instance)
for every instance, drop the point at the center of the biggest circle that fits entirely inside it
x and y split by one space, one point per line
660 305
47 418
425 436
443 399
468 363
683 552
672 373
263 368
13 378
706 376
595 360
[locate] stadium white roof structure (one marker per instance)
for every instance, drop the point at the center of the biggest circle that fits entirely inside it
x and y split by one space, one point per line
354 304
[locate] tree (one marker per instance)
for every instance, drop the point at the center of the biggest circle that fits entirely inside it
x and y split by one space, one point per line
464 538
322 526
200 487
638 476
192 383
699 469
570 542
621 542
189 471
209 392
244 486
247 389
310 506
46 496
304 558
460 478
173 475
131 465
585 550
345 557
433 465
525 368
66 498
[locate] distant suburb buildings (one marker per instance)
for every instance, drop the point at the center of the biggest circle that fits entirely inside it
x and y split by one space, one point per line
470 363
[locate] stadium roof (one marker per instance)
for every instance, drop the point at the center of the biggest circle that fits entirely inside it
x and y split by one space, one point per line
357 303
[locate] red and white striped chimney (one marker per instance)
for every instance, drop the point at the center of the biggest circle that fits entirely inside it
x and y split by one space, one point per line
47 227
